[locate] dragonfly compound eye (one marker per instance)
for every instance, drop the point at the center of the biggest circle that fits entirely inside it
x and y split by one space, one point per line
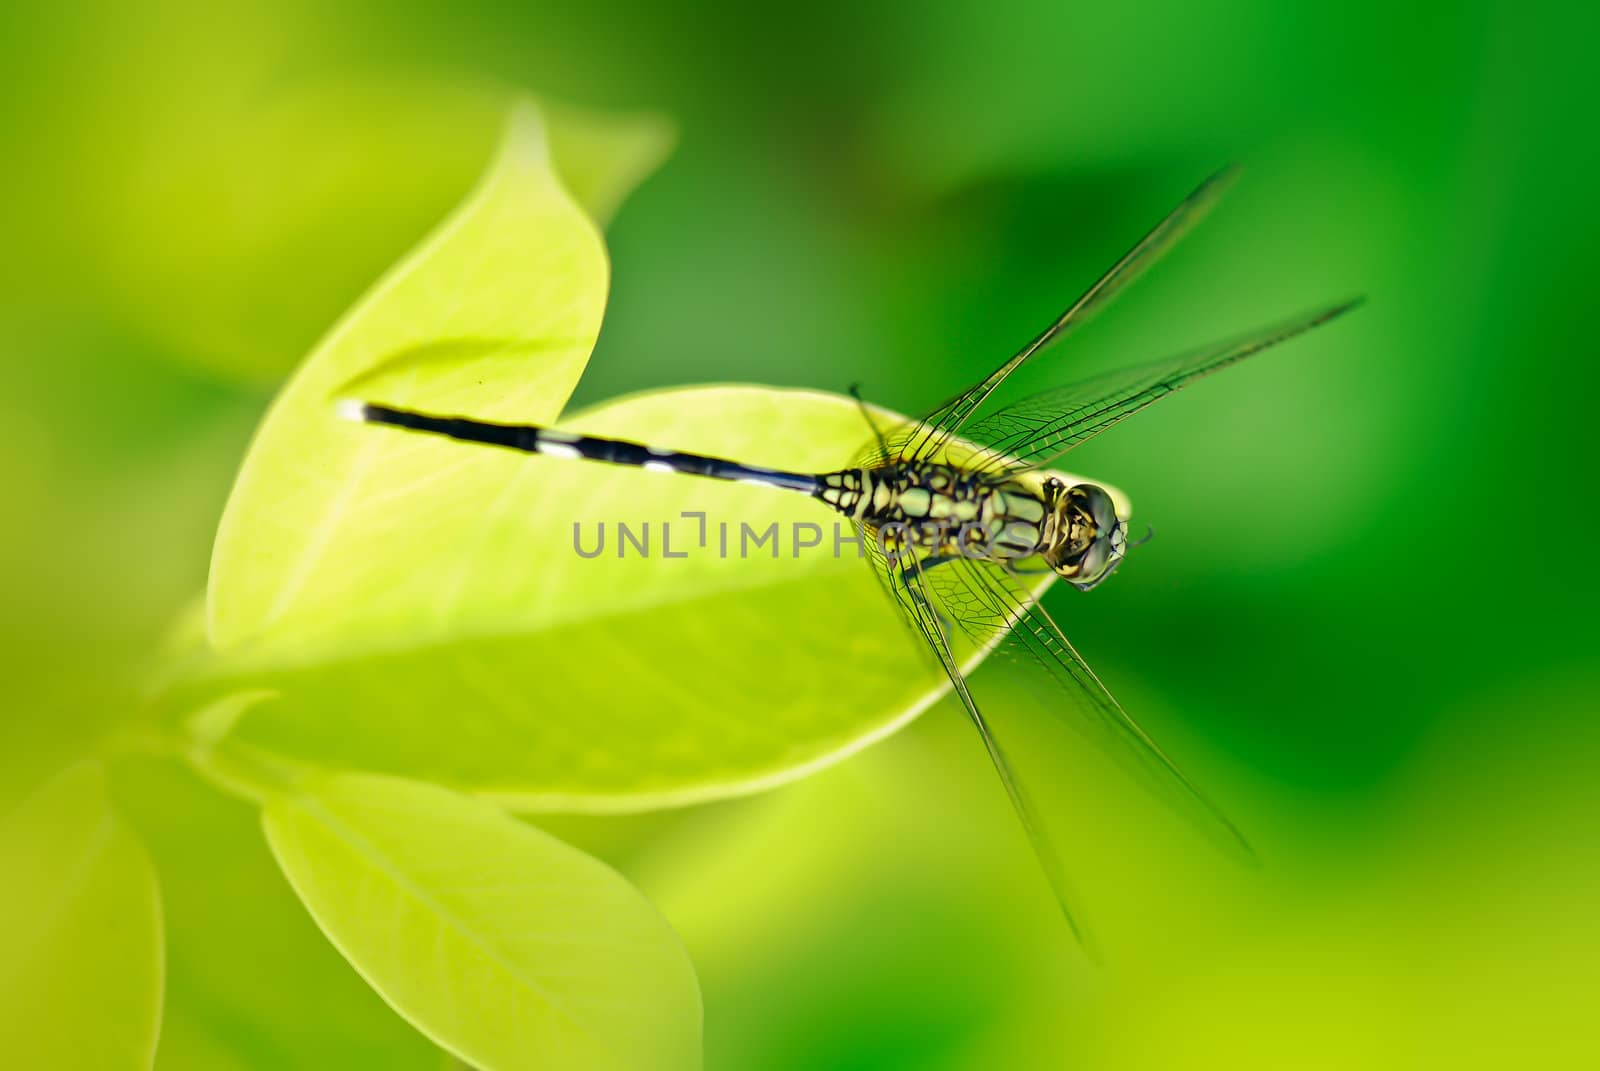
1088 539
1097 505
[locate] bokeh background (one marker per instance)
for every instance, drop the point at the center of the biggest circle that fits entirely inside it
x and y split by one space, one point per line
1367 622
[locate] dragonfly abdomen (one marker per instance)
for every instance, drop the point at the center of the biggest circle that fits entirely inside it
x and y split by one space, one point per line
551 442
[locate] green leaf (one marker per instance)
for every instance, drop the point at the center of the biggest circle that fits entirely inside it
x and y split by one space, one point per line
251 982
467 643
518 269
506 946
81 958
414 606
498 660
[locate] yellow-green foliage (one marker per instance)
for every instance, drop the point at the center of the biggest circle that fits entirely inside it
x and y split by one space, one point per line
1365 625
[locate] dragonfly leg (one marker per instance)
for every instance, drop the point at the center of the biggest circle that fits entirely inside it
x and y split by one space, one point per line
915 591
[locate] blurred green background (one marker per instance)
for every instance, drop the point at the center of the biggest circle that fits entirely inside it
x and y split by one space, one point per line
1367 622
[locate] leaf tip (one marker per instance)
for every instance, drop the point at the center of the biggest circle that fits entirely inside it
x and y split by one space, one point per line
524 142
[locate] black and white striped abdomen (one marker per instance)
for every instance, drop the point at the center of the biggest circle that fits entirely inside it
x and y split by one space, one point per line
550 442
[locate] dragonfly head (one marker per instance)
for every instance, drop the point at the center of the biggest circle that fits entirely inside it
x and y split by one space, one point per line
1087 539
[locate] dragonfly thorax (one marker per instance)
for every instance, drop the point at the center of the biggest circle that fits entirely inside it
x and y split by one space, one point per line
943 510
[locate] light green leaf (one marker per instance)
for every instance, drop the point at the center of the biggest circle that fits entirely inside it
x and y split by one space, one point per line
501 943
519 270
251 982
414 606
81 957
498 660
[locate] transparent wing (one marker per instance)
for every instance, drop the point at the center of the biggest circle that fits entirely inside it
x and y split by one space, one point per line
906 581
925 437
991 606
1039 429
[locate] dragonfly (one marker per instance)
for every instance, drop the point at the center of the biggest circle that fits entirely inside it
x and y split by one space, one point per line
961 509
